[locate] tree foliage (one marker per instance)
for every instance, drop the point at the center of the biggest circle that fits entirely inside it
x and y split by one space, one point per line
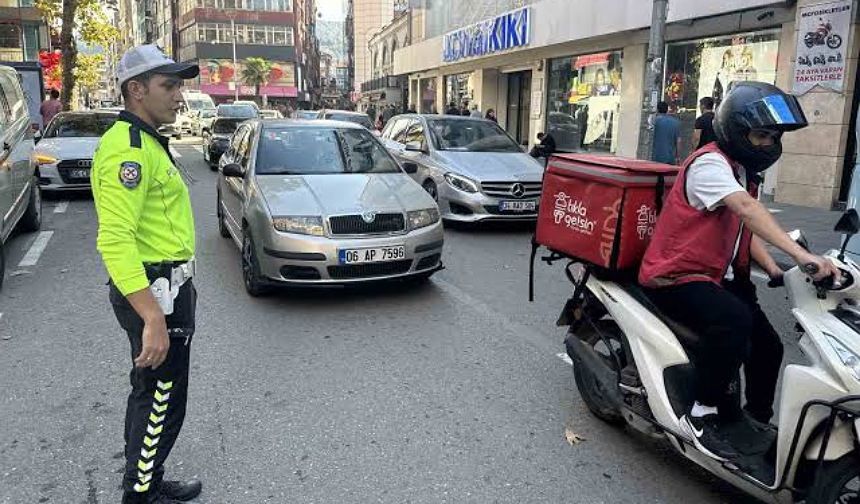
256 73
84 19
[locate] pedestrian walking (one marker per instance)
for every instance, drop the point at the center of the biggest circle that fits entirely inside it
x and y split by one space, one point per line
50 107
703 132
146 240
667 136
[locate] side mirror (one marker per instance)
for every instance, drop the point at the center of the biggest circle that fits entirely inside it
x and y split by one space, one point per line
37 136
849 223
233 170
414 147
410 168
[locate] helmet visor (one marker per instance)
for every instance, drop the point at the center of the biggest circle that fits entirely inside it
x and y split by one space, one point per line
777 112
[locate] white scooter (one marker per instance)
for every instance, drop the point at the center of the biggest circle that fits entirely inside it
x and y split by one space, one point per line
631 368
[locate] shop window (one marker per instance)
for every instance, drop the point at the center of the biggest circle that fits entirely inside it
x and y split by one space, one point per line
584 97
428 96
700 68
459 90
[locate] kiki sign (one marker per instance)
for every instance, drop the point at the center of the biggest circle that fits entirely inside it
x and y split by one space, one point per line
501 33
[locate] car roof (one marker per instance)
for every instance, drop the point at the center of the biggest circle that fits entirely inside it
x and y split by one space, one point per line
80 113
345 112
440 116
307 123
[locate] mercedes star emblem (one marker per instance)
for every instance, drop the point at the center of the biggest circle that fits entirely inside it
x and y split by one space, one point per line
518 190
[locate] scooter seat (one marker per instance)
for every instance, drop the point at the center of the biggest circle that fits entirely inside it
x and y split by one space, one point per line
685 335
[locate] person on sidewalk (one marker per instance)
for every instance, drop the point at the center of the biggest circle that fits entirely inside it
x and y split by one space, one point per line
667 136
50 107
146 240
476 112
696 268
703 131
491 116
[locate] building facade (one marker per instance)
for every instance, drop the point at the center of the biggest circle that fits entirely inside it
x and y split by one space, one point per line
384 90
368 17
583 82
22 31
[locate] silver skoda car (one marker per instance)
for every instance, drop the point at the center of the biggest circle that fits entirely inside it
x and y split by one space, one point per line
323 202
470 166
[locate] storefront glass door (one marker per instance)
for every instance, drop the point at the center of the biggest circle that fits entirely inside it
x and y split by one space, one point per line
519 105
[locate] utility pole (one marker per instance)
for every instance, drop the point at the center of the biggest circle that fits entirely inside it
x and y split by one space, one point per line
235 67
653 77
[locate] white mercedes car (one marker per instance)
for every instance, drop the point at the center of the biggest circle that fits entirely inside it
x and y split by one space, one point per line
65 153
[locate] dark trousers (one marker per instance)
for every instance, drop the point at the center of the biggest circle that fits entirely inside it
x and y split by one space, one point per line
156 404
732 331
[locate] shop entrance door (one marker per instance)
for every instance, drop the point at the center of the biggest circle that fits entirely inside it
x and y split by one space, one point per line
519 105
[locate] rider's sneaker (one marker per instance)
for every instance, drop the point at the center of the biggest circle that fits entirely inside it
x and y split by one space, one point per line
704 431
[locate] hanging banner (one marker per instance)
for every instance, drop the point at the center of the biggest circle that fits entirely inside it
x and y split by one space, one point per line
822 44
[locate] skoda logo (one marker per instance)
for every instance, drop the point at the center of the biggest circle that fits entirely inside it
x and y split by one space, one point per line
518 190
368 217
85 163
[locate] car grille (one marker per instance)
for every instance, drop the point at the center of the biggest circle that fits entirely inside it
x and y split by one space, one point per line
506 189
356 225
369 270
66 166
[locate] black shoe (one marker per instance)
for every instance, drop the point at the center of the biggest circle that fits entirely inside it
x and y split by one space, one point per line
181 490
705 434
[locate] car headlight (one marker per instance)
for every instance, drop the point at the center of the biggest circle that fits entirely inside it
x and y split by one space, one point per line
422 218
850 359
43 159
301 225
462 183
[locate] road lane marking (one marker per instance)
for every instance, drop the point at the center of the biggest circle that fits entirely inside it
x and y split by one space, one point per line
175 153
61 207
36 249
198 148
566 358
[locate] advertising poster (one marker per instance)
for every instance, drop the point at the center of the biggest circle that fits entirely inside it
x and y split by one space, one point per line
217 77
739 62
822 43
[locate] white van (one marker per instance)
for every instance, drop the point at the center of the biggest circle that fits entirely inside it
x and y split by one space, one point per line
199 111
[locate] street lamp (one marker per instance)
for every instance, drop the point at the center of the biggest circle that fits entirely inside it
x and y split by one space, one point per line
232 14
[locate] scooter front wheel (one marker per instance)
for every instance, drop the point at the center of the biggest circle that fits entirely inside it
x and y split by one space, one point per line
591 388
838 483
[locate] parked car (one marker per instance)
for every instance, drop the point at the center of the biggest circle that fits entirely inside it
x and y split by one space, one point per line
65 153
270 114
306 114
249 103
470 166
20 195
207 117
323 202
359 118
217 136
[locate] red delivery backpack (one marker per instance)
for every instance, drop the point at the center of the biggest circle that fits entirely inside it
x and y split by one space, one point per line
601 209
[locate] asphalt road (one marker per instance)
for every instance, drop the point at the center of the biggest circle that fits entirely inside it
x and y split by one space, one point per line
448 392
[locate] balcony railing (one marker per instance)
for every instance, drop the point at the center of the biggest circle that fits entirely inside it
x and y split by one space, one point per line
387 82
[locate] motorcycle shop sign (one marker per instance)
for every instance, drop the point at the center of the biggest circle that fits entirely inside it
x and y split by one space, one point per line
822 43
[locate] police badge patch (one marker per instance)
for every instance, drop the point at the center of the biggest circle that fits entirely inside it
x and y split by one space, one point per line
129 174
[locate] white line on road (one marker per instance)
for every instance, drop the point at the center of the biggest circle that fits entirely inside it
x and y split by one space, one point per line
175 153
36 249
61 207
566 358
198 148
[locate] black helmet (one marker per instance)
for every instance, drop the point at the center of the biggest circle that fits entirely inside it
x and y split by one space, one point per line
755 106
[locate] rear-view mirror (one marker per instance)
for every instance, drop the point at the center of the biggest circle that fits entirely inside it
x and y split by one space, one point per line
233 170
414 147
849 223
410 168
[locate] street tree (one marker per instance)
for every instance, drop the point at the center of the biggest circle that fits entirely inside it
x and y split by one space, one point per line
256 73
88 73
84 19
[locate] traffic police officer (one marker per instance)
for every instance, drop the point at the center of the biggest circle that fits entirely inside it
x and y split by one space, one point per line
146 240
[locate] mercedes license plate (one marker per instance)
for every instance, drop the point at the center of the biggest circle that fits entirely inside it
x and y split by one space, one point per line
518 206
371 255
80 173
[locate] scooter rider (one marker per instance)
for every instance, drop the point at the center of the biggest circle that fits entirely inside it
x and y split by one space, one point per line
697 267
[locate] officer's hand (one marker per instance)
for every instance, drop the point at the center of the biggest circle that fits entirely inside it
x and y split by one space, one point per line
156 343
